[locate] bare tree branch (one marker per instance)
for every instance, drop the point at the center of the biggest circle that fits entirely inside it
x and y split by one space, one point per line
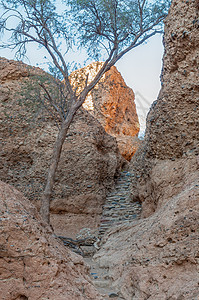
49 98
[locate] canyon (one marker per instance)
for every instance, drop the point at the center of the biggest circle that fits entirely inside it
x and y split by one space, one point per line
150 253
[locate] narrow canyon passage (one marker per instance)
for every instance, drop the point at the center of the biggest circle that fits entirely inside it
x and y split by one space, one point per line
147 251
117 210
102 280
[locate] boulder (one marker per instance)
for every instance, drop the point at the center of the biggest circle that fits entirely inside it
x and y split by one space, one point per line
34 264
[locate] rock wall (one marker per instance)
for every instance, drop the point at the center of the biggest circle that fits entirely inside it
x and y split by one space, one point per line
173 121
89 162
111 102
157 257
33 263
172 124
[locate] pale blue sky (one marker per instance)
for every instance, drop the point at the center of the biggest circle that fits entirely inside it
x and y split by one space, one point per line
141 69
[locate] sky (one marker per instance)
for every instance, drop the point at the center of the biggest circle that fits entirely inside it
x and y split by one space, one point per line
140 68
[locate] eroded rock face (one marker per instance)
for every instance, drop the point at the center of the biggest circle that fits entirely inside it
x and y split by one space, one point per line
33 263
157 256
111 102
172 124
90 158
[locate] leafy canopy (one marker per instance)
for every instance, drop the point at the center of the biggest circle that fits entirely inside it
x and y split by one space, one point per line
105 28
33 21
107 24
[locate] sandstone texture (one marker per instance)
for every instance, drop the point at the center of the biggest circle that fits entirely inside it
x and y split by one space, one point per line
157 256
173 121
89 162
111 102
33 263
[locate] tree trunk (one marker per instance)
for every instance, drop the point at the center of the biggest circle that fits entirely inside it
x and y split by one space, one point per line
45 201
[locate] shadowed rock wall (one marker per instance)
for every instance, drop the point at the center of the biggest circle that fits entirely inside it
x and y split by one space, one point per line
173 121
34 264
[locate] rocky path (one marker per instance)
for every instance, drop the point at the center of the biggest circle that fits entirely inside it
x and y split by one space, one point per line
102 281
118 209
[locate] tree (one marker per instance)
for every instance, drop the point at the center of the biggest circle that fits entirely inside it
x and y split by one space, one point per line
107 29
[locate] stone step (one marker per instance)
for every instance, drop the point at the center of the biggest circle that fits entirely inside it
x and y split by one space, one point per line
121 208
102 283
107 215
120 205
118 209
119 218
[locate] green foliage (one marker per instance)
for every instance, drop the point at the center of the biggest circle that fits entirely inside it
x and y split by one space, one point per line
103 24
97 25
43 96
30 21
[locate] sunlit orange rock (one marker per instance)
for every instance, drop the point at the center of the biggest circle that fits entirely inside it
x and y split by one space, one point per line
112 103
